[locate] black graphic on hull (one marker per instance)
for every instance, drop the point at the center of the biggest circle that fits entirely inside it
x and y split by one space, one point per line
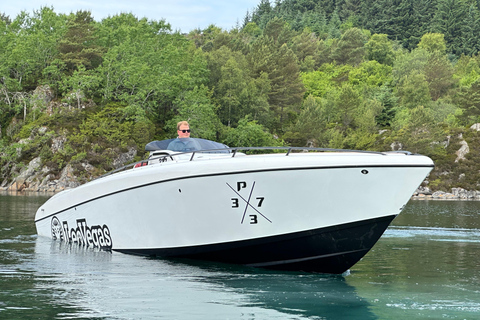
94 236
253 203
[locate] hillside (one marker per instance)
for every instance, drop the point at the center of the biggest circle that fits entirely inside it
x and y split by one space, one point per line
79 97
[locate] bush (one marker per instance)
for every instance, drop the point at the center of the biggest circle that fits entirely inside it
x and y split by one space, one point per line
250 134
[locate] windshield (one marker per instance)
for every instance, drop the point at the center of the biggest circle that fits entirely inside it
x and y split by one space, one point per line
186 145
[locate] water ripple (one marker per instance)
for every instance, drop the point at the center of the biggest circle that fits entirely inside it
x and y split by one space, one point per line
435 305
437 234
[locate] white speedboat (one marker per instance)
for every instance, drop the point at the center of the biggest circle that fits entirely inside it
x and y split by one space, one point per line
317 210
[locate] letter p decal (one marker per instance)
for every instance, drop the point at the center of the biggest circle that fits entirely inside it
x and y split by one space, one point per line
241 185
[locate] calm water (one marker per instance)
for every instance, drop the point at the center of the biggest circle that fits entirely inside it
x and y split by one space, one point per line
426 266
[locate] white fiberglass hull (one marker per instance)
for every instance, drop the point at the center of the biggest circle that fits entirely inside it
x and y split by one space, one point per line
314 212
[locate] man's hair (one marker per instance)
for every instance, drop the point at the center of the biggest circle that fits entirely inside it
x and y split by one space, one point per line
182 123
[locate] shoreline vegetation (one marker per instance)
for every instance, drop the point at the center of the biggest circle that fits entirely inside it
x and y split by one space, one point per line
79 97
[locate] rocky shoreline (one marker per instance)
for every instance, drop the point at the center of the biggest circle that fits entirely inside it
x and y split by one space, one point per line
31 180
38 178
34 178
455 194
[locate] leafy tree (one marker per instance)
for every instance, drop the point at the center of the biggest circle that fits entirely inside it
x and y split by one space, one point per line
469 102
370 73
249 134
467 70
365 119
195 106
417 130
27 46
439 75
148 67
407 63
445 112
413 90
235 91
433 42
5 18
363 134
210 38
380 49
252 29
102 135
115 30
6 82
319 83
360 140
53 74
81 85
110 126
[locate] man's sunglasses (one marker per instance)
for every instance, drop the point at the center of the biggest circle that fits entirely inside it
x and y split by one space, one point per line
185 131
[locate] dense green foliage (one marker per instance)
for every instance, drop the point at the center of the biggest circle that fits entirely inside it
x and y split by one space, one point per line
373 75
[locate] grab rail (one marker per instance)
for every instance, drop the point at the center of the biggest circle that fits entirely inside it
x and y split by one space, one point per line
234 150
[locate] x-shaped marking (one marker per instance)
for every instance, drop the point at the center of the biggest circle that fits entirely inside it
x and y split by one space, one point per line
248 202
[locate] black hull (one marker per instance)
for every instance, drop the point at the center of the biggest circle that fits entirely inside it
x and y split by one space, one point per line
325 250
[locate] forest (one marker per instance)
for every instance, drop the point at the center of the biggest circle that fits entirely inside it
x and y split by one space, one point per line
370 75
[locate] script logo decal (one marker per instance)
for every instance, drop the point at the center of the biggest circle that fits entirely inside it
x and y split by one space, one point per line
94 236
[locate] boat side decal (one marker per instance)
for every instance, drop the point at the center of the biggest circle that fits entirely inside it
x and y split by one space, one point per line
249 202
94 236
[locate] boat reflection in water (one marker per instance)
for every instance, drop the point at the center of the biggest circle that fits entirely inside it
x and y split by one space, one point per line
318 210
98 284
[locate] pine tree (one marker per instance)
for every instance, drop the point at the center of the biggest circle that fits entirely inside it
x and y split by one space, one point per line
334 26
449 20
261 15
372 13
349 8
271 56
78 46
423 13
472 31
351 48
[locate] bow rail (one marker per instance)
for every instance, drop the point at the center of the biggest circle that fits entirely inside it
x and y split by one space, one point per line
234 150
